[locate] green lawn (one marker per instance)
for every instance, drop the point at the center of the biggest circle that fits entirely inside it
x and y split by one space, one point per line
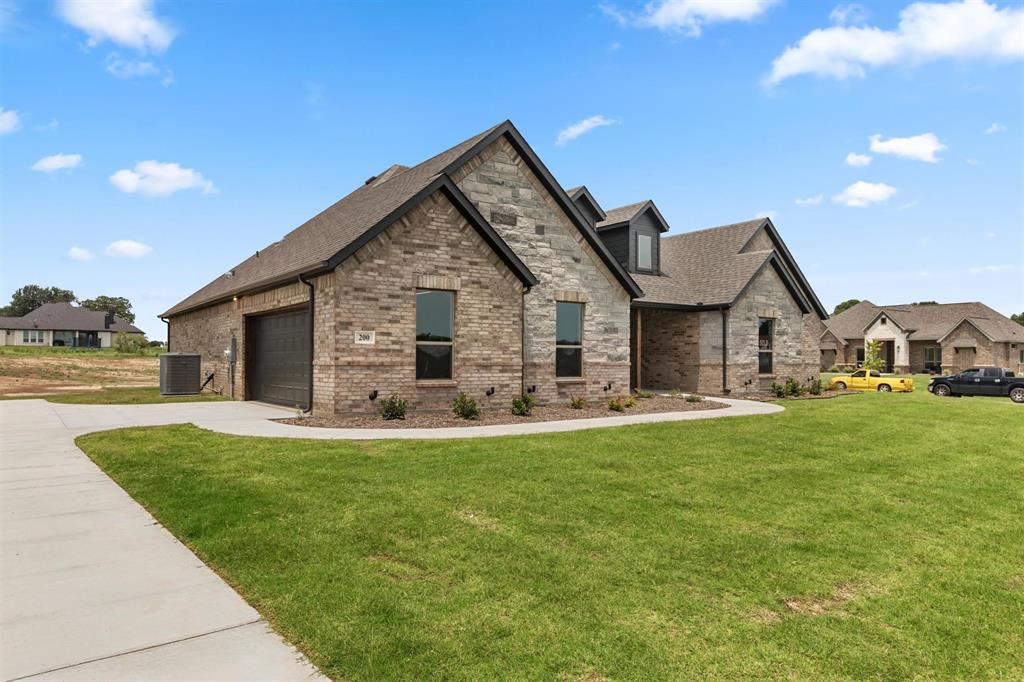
120 396
870 536
66 351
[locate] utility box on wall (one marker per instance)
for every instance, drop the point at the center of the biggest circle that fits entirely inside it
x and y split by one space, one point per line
179 373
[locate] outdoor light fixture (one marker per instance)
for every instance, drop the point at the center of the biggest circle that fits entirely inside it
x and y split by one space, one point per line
608 386
373 395
490 391
532 389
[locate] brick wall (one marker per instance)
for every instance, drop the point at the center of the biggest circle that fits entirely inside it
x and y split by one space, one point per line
669 349
375 290
431 247
986 353
510 196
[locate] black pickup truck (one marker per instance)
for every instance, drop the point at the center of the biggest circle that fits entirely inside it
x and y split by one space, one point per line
994 381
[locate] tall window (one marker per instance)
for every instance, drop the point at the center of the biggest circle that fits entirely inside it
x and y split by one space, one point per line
568 339
765 332
860 356
435 311
932 358
644 252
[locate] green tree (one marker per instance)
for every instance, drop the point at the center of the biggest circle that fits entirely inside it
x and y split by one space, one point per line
1018 318
845 305
31 296
925 303
120 306
873 356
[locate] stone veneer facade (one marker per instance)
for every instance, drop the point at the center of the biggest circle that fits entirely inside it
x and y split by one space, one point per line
683 350
431 247
508 194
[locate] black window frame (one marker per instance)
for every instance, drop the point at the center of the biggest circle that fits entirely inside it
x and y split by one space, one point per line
766 352
935 363
560 370
859 355
420 370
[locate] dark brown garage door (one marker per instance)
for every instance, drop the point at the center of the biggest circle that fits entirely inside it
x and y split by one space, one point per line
278 365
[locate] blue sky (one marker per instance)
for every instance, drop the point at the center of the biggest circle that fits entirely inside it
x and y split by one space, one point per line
259 115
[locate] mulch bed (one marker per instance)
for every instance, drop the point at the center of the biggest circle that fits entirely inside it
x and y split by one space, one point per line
541 413
824 395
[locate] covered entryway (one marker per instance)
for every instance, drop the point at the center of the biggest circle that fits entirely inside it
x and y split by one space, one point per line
277 358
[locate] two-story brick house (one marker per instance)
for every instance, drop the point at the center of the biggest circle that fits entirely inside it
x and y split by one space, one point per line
475 271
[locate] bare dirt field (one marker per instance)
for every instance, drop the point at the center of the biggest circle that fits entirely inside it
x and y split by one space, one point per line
43 373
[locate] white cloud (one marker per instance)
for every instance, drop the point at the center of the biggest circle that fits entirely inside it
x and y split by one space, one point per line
972 162
52 125
909 204
982 269
79 254
131 68
851 13
585 126
919 147
927 31
854 159
810 201
9 121
156 179
770 215
127 248
49 164
861 194
990 235
995 128
130 23
688 17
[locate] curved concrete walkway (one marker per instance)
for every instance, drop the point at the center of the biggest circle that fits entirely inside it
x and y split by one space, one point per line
94 588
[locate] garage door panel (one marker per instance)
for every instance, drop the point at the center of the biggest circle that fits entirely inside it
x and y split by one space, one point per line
278 363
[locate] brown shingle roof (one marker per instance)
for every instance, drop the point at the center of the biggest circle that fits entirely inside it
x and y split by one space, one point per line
621 214
927 322
67 317
326 234
704 267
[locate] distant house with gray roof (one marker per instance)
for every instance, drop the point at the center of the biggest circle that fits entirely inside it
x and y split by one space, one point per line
64 324
923 337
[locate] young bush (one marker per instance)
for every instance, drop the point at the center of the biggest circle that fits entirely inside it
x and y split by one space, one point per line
577 402
793 388
835 368
694 398
629 401
815 387
778 390
465 407
616 404
393 407
644 394
873 356
523 405
130 343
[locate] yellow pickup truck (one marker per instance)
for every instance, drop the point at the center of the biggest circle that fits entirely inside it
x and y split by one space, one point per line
872 380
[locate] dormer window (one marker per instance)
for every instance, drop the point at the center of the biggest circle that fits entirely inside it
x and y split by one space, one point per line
644 252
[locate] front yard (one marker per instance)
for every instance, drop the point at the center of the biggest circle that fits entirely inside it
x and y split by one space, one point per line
875 535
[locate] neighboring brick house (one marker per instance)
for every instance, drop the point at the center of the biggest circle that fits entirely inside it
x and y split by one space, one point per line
63 324
724 310
472 271
942 337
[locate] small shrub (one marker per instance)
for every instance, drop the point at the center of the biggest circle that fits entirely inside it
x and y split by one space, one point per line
616 404
523 405
393 407
629 401
694 398
644 394
465 407
778 390
835 369
577 402
793 388
130 343
815 387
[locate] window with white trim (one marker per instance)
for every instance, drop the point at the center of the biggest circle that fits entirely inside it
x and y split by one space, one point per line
32 336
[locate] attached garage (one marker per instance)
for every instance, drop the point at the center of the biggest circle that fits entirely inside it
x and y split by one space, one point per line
277 358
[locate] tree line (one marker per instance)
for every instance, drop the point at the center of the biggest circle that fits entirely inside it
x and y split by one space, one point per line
31 296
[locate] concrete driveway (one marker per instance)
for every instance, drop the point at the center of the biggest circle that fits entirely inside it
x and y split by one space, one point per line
92 587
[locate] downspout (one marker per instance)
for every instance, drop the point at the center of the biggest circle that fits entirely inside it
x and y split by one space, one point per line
312 310
168 323
522 335
725 351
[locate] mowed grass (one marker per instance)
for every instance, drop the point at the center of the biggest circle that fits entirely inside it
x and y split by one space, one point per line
135 395
868 536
